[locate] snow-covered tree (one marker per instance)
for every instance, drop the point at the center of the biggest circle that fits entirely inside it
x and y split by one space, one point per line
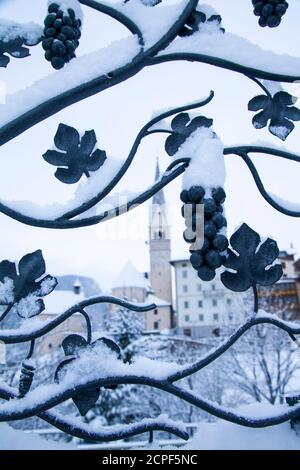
263 363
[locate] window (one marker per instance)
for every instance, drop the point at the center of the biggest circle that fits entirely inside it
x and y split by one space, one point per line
230 316
185 288
187 318
216 317
201 317
214 302
183 265
186 304
156 312
228 301
199 287
184 274
155 325
187 331
283 264
213 287
200 303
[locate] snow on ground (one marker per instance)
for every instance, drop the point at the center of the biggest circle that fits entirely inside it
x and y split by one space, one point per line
12 439
223 435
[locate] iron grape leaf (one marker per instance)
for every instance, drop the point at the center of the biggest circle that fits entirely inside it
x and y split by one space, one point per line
73 344
114 347
28 280
182 127
194 21
14 48
250 261
277 110
86 400
75 156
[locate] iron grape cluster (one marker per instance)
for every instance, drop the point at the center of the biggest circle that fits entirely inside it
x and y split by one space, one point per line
212 254
270 12
62 32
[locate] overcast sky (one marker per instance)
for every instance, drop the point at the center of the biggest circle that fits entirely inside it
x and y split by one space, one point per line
117 115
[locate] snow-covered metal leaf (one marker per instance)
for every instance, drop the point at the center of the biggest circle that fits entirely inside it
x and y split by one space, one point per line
183 127
277 110
250 263
73 344
75 156
27 284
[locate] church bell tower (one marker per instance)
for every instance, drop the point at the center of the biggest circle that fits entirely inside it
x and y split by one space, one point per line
160 246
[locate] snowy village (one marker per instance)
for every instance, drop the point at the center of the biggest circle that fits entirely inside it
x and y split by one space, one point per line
150 236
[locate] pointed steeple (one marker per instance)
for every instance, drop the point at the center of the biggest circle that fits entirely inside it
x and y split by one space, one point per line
158 198
158 226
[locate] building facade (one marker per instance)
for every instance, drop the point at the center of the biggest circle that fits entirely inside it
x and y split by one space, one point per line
283 298
203 307
135 287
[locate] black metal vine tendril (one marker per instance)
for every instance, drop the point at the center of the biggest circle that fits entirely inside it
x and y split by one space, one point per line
211 356
117 15
85 222
224 64
6 312
243 153
31 349
63 222
88 325
260 85
73 429
15 337
143 133
255 295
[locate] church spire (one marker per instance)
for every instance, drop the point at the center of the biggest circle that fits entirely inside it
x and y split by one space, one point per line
158 226
158 198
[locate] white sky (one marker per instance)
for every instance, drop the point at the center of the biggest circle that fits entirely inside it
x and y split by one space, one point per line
117 115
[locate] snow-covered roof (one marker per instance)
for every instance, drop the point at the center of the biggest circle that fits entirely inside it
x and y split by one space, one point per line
60 300
152 299
131 277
